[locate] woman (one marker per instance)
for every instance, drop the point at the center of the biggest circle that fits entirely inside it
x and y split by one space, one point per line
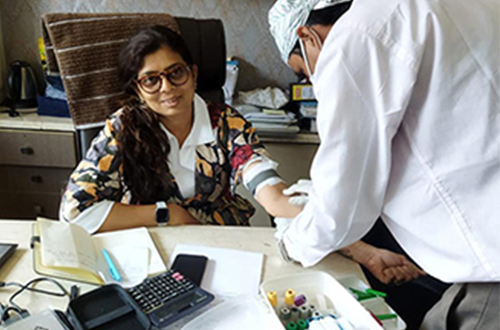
167 145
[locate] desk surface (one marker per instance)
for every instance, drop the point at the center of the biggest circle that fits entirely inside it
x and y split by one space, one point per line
256 239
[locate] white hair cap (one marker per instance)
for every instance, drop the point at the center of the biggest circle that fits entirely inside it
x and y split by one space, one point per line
286 16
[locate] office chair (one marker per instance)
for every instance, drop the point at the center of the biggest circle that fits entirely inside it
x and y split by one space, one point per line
84 48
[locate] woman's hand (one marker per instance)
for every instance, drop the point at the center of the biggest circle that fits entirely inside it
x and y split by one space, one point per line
388 267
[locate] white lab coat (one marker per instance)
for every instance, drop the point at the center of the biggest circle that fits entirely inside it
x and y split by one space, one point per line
409 123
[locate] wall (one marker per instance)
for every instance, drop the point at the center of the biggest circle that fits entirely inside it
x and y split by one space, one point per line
245 22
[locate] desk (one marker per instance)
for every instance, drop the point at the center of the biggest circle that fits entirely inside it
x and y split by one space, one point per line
255 239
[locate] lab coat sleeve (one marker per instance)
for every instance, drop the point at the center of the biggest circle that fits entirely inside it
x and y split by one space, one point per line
363 86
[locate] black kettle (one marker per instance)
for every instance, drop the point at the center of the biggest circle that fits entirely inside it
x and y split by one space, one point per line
21 86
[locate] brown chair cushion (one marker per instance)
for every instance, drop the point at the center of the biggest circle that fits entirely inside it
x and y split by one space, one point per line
84 49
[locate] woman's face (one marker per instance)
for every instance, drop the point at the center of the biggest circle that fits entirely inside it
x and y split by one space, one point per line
176 93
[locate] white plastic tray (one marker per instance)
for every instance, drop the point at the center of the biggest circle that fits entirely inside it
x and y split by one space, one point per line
324 292
376 305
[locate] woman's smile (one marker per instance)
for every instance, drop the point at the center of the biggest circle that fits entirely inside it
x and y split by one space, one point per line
171 101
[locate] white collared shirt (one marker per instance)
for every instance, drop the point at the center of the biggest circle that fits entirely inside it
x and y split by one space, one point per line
409 122
182 163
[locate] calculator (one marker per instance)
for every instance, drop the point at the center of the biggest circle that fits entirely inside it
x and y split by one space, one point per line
169 297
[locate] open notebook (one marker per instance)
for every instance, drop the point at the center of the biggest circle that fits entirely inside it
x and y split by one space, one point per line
67 251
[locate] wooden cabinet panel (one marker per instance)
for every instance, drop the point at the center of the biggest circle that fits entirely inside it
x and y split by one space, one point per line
33 179
37 148
15 205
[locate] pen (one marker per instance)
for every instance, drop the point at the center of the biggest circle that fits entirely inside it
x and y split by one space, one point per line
115 274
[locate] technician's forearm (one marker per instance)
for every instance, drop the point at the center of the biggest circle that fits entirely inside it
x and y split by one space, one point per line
276 203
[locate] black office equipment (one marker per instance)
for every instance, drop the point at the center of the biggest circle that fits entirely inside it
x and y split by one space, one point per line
169 297
190 265
107 308
6 251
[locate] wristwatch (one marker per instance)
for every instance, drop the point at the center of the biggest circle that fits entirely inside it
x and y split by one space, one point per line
162 214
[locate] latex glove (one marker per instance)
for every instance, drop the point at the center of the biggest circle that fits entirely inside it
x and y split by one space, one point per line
299 192
282 225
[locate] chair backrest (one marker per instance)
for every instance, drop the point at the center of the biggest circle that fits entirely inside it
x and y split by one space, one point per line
82 71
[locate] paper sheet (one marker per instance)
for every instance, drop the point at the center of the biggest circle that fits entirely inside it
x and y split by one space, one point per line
228 272
136 237
132 263
66 245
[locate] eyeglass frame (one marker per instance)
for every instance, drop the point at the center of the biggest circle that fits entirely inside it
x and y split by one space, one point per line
165 74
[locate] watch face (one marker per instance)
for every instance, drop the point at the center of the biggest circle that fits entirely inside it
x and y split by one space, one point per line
162 215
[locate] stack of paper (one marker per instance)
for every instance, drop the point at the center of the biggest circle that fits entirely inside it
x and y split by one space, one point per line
273 122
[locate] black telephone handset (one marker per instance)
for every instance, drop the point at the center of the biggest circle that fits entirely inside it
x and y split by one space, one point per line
190 265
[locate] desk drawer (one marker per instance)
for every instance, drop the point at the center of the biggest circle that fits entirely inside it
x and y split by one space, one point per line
33 179
37 148
15 205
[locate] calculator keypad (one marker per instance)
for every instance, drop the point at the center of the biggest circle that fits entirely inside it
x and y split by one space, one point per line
156 291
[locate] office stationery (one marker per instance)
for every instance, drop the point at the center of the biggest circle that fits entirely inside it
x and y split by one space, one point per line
115 274
169 297
228 272
241 313
191 266
6 251
67 251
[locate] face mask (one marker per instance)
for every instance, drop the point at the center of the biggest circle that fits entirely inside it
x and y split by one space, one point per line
304 54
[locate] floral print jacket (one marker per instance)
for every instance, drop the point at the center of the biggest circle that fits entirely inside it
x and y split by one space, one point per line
218 170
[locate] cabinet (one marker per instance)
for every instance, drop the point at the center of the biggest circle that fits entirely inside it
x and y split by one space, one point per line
36 160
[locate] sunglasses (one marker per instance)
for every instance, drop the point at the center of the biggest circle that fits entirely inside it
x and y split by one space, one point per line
177 75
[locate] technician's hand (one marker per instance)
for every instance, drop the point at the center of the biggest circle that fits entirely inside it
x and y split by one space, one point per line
299 192
388 267
391 268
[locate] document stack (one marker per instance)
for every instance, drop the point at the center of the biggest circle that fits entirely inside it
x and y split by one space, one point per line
262 108
273 122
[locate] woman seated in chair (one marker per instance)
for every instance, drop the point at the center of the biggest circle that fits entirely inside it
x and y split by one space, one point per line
167 148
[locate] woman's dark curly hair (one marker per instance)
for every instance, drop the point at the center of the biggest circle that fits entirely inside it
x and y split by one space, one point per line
143 146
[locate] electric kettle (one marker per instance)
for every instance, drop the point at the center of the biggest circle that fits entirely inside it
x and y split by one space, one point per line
21 86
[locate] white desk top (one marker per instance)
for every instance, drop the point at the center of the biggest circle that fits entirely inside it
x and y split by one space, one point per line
33 121
256 239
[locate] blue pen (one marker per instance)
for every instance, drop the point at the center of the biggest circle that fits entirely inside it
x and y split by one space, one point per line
115 274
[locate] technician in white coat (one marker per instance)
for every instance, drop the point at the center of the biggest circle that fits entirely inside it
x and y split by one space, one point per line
409 123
